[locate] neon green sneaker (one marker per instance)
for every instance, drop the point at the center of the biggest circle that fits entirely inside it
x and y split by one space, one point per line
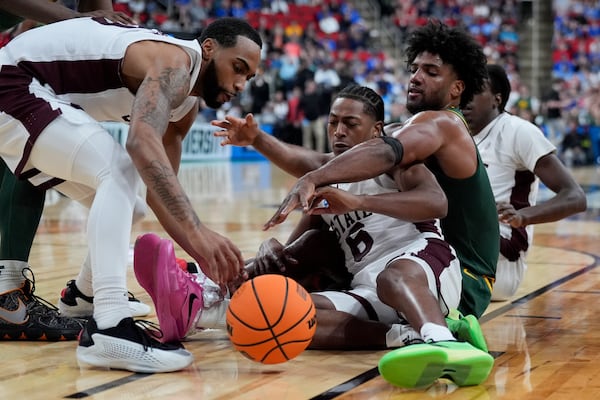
466 329
419 365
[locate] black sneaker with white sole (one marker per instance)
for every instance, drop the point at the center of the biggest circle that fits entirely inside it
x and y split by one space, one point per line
75 304
132 346
25 316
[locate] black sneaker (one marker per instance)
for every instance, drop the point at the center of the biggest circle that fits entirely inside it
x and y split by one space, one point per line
75 304
131 345
25 316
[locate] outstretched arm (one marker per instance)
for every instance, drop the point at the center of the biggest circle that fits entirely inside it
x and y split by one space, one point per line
569 199
428 133
419 198
47 11
363 161
164 86
295 160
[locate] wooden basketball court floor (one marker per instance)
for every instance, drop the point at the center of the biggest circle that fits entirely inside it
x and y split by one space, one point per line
545 340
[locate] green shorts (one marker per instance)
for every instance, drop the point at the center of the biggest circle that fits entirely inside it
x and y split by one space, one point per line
476 293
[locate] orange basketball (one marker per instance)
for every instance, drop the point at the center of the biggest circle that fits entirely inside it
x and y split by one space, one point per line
271 319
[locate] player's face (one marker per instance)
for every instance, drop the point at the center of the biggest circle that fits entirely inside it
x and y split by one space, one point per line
482 109
227 70
431 82
349 125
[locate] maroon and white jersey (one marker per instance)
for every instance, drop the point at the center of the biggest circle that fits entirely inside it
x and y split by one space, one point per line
77 62
367 237
510 148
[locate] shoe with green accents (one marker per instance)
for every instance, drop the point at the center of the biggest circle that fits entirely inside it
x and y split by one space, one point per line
420 365
466 329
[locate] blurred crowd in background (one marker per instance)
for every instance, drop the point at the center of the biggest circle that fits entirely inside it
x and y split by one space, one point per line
314 47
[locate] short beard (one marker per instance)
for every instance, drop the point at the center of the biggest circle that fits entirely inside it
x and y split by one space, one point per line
423 106
210 86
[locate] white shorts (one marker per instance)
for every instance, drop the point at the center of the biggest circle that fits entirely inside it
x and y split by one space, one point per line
445 286
509 275
71 153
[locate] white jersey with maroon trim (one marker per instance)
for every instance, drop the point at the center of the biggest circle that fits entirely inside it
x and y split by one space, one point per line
78 61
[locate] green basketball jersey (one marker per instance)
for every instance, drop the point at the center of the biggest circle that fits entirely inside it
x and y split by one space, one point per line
471 225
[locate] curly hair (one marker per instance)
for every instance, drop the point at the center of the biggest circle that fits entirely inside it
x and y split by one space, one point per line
226 30
372 102
456 48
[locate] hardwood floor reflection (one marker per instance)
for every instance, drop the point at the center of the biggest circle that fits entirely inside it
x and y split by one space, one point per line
546 339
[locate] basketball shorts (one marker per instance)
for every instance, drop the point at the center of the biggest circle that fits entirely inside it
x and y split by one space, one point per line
509 275
444 282
70 151
476 293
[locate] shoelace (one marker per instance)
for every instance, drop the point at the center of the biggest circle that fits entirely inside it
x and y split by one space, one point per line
36 301
149 333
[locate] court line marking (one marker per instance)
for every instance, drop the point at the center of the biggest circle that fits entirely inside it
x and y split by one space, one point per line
372 373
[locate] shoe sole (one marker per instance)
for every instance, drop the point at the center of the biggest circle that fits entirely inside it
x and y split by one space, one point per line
38 335
105 354
420 365
152 258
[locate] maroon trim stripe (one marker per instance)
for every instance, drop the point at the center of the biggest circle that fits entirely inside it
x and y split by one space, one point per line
519 198
16 100
438 255
78 76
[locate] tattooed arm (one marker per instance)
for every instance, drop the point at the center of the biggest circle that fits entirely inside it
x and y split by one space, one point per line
159 75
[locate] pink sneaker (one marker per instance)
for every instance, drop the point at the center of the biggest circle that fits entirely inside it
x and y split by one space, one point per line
176 295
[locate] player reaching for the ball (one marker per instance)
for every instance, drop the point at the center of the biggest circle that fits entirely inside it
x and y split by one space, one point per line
402 268
447 66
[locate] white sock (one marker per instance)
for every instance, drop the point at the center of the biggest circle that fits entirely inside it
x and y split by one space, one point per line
11 274
401 335
111 305
84 279
214 316
431 332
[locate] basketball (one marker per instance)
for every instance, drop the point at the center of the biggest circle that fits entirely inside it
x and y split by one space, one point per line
271 319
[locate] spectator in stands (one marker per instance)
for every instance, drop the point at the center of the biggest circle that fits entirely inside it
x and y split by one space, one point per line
326 76
526 105
259 90
552 105
295 117
237 9
305 72
314 106
278 6
294 30
287 71
576 146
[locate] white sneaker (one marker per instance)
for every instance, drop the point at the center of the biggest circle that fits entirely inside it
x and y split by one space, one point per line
401 335
130 346
75 304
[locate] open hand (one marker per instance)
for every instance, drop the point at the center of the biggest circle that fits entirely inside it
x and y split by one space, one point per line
114 16
301 196
237 131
